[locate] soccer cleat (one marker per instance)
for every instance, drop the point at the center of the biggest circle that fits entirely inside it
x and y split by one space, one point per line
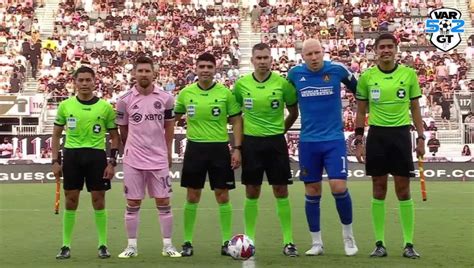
379 250
225 249
350 246
64 253
315 250
103 252
290 250
129 252
187 249
409 252
170 251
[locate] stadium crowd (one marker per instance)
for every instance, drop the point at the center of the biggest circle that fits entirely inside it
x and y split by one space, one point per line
345 30
171 35
17 23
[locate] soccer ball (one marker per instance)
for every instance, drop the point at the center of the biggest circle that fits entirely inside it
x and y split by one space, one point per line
445 25
241 247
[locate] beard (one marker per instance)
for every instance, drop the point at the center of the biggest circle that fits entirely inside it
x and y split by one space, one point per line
144 83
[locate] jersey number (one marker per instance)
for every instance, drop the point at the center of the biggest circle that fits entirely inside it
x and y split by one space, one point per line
343 164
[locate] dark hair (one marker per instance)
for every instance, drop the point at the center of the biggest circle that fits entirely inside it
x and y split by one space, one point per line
206 56
143 60
385 36
260 46
84 69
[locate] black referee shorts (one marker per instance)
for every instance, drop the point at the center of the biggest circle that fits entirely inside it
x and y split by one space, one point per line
85 164
265 154
389 151
201 158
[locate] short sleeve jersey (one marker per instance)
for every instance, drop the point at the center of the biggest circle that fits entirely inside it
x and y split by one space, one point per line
319 98
86 122
389 95
145 116
263 103
207 112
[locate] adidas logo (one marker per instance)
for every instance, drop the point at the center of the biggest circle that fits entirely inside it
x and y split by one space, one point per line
302 79
135 107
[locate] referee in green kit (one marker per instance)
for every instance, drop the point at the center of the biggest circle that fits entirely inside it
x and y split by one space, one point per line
391 92
86 119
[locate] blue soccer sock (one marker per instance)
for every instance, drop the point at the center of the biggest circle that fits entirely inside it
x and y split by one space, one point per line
313 212
344 206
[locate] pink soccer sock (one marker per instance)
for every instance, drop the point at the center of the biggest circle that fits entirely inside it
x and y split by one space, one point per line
166 220
132 218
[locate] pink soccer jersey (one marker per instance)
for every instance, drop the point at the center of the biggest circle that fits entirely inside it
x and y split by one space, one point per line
145 148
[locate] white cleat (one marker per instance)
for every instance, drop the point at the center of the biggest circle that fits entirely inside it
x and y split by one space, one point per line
129 252
350 246
170 251
315 250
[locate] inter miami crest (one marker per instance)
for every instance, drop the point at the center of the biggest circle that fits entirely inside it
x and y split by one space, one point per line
157 105
445 26
216 111
401 93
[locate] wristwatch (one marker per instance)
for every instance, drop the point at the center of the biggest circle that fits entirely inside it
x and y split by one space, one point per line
113 161
423 137
237 147
358 142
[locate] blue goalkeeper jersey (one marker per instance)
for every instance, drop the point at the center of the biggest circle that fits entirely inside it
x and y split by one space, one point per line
319 98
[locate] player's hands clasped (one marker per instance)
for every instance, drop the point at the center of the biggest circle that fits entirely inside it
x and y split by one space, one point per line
236 159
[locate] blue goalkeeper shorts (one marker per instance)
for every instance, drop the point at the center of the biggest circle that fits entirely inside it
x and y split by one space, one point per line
318 156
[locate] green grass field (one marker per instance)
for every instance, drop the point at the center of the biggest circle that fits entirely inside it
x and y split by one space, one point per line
30 233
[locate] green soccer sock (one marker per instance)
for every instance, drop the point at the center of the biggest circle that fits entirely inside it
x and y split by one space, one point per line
69 218
190 210
250 217
378 219
284 213
225 216
407 218
101 225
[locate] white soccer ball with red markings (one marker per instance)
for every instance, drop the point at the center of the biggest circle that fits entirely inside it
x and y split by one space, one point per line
241 247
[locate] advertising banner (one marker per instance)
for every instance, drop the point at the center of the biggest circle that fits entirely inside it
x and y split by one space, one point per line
14 105
41 173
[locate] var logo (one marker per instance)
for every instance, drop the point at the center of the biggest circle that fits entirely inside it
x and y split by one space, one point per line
445 26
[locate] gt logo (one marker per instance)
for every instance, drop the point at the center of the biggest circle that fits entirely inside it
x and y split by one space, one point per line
445 26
